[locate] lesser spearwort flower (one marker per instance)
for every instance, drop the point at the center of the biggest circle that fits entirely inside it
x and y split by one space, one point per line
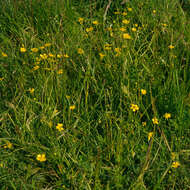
72 107
175 164
126 36
143 91
155 121
134 107
150 134
167 115
41 157
59 127
170 46
80 51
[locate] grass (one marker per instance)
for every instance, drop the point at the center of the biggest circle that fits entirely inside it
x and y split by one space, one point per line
76 111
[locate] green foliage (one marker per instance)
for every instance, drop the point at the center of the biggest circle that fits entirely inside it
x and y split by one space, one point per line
81 81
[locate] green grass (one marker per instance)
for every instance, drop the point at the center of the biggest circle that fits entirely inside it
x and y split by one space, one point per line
103 144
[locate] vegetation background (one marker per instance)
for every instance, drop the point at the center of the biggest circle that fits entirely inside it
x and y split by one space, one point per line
94 94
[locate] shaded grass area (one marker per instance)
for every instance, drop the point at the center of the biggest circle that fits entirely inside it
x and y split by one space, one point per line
68 86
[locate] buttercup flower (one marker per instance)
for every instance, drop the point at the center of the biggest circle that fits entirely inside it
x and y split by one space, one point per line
170 46
167 115
134 29
155 121
126 36
150 135
134 107
47 44
22 49
41 157
34 50
66 56
31 90
95 22
59 127
60 71
125 21
8 145
89 29
81 20
72 107
143 91
175 164
4 54
101 55
144 124
80 51
36 68
122 29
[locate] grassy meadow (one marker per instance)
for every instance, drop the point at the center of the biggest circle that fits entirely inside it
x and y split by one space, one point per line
94 95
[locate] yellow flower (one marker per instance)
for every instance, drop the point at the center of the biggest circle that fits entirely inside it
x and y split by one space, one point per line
41 157
1 78
175 164
42 47
134 107
60 71
8 145
95 22
50 55
129 9
118 50
122 29
125 21
36 67
34 50
154 11
59 56
72 107
89 29
144 124
4 54
167 115
80 20
59 127
102 55
31 90
164 24
126 36
66 56
170 46
44 56
134 29
47 44
1 165
124 13
22 49
80 51
143 91
155 121
150 135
